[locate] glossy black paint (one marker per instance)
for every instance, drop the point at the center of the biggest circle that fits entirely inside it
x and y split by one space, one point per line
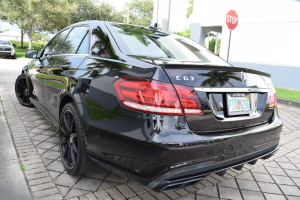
146 147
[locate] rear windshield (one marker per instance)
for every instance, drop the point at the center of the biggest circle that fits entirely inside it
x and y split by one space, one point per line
4 42
139 41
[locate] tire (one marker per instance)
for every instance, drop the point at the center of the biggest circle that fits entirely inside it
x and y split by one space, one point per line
22 91
72 144
13 57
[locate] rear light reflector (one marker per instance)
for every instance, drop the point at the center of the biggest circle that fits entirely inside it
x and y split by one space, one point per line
273 99
148 96
157 97
189 100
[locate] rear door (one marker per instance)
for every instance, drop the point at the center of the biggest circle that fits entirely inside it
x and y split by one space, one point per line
37 67
63 65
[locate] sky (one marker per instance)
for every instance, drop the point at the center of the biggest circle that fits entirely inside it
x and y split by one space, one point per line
5 25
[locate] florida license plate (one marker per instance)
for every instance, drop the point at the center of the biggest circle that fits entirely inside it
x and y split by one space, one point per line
238 104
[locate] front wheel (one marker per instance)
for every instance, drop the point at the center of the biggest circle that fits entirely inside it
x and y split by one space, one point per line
72 144
22 91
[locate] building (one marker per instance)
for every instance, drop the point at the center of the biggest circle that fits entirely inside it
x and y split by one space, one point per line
13 35
267 37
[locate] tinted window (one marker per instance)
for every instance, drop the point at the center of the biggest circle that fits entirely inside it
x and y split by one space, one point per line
53 46
72 42
85 45
4 42
102 45
139 41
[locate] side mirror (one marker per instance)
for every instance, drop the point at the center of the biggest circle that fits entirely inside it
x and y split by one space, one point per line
31 53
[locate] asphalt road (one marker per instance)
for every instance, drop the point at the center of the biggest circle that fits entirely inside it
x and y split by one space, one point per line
10 69
12 181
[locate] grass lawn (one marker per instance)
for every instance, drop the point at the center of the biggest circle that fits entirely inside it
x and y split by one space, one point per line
288 94
20 53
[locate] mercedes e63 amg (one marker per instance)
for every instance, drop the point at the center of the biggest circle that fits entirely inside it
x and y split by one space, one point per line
153 106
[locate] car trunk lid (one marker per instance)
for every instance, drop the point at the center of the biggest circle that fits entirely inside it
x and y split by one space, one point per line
220 90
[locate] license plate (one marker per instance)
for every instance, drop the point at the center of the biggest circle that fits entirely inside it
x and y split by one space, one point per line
238 104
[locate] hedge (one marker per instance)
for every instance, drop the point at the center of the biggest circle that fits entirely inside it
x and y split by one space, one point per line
35 45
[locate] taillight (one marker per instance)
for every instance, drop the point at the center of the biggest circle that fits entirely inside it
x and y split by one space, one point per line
273 99
156 97
189 100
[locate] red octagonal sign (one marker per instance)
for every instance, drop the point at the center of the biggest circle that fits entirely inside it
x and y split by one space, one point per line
232 19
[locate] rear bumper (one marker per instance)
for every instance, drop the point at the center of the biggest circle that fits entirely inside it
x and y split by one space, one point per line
162 153
188 176
189 173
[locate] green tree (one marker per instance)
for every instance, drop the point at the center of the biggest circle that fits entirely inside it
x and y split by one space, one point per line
5 30
185 33
140 12
41 37
33 16
95 10
218 46
218 78
190 8
212 44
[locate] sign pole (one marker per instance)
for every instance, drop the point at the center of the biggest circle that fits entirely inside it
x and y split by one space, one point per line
232 21
229 45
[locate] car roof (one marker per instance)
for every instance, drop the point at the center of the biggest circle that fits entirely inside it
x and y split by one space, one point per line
95 23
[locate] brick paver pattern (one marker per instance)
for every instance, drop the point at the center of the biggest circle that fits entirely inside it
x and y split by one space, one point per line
36 143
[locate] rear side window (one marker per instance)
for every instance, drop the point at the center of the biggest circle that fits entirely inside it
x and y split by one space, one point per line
53 46
85 45
74 39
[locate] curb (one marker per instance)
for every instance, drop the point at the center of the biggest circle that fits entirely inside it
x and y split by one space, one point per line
13 183
289 102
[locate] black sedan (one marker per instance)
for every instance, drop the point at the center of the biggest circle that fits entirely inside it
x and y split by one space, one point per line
150 105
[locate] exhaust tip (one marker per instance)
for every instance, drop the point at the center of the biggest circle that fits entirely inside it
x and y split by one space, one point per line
180 184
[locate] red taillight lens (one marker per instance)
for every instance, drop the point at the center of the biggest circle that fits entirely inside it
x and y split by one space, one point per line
273 99
148 96
157 97
189 100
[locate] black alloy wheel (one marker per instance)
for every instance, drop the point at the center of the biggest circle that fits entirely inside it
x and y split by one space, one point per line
72 143
68 138
22 91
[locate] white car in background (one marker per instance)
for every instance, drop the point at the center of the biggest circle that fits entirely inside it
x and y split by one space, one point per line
7 49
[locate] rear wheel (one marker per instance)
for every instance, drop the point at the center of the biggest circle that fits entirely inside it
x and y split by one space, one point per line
22 91
72 144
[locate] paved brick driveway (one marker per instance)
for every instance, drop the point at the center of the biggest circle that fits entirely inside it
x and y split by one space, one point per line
36 143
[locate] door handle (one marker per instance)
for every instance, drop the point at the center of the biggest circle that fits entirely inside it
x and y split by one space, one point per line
65 67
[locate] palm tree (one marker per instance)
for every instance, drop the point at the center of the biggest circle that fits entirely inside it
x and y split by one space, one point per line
140 34
207 34
216 78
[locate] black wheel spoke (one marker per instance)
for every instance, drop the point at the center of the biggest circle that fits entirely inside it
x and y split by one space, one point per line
27 98
65 151
64 131
73 157
70 120
69 156
72 125
66 123
20 85
64 142
74 147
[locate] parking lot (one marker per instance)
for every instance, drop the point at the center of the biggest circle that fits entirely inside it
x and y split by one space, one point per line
36 144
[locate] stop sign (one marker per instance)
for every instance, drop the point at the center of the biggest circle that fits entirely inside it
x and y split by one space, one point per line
232 19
